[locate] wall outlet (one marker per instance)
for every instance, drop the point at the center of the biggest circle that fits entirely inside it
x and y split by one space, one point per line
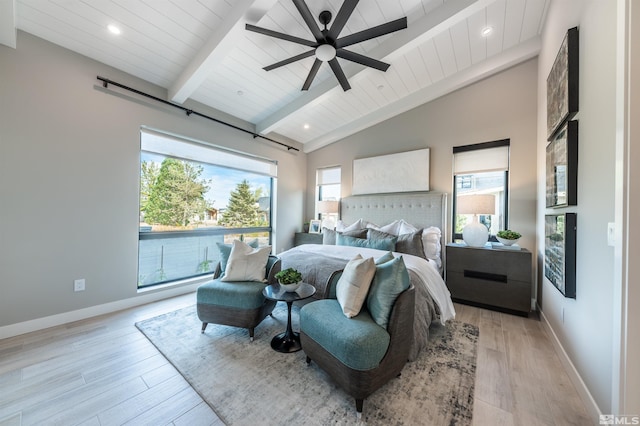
78 285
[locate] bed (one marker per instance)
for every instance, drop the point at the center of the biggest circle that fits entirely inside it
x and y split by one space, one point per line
422 210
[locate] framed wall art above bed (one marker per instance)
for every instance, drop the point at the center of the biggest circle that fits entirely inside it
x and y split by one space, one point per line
400 172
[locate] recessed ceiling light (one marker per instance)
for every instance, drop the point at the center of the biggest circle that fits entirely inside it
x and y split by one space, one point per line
113 29
240 93
486 31
306 126
380 87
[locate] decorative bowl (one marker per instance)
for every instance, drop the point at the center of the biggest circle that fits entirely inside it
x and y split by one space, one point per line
507 242
290 287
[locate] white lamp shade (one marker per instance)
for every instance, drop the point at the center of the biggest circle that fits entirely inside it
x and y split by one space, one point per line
327 207
476 204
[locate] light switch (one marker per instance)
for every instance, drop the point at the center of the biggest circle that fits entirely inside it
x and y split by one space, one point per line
611 234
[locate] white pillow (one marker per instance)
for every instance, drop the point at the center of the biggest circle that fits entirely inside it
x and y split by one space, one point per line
246 263
431 242
393 228
353 285
406 228
358 224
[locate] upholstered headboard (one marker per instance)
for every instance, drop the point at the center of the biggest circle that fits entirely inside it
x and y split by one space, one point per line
421 209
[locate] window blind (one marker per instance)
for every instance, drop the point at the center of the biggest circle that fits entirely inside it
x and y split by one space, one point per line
160 143
328 176
467 159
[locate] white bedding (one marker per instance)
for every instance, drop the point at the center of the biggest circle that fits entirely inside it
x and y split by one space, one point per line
426 271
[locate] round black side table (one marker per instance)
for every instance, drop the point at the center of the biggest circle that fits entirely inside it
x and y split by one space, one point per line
289 341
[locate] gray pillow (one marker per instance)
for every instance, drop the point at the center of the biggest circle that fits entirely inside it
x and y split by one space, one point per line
329 236
407 243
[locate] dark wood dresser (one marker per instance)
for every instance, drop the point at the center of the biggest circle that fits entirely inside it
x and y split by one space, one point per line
306 238
490 277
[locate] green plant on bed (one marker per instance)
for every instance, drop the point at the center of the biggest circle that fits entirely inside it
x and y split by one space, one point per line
509 234
288 276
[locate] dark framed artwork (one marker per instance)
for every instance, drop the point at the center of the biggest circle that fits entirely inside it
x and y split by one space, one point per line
562 167
562 84
560 252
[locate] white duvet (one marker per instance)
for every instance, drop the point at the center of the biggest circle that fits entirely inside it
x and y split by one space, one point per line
425 270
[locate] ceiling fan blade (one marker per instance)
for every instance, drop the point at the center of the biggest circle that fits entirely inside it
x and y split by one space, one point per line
309 19
281 36
361 59
342 17
312 74
380 30
290 60
337 70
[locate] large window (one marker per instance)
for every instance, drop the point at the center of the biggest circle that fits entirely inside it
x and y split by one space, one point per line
328 182
193 196
481 169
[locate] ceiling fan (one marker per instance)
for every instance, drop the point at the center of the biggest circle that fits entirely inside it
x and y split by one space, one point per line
327 46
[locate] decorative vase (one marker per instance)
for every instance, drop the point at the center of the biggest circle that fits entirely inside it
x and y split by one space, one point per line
290 287
475 234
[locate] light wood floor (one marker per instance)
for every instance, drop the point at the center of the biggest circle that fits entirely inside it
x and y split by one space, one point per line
102 371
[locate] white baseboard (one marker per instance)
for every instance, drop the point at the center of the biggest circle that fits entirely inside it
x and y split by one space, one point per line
589 403
80 314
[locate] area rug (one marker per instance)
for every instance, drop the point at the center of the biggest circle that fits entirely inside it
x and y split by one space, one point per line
248 383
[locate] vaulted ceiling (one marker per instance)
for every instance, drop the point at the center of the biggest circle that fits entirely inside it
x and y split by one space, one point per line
200 50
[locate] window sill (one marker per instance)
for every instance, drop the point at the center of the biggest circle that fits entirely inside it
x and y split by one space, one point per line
176 284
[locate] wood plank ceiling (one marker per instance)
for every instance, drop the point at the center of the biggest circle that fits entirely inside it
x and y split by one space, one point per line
199 50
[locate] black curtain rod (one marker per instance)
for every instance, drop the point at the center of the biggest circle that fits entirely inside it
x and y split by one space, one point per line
106 82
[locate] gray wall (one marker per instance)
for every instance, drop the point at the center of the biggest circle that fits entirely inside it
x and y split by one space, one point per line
69 172
499 107
584 326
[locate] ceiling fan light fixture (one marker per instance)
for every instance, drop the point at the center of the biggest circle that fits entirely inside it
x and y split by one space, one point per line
328 44
325 52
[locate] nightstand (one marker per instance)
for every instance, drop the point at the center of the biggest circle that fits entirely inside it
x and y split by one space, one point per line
490 277
306 238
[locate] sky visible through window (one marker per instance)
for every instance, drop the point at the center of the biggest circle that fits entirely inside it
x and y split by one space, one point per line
222 180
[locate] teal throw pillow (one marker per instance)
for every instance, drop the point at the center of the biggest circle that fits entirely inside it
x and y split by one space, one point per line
387 244
388 256
329 236
391 279
225 252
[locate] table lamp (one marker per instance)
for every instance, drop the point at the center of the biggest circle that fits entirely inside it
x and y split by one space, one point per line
476 234
327 207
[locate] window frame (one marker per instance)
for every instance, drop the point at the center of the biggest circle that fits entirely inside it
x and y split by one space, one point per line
146 235
476 147
319 187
